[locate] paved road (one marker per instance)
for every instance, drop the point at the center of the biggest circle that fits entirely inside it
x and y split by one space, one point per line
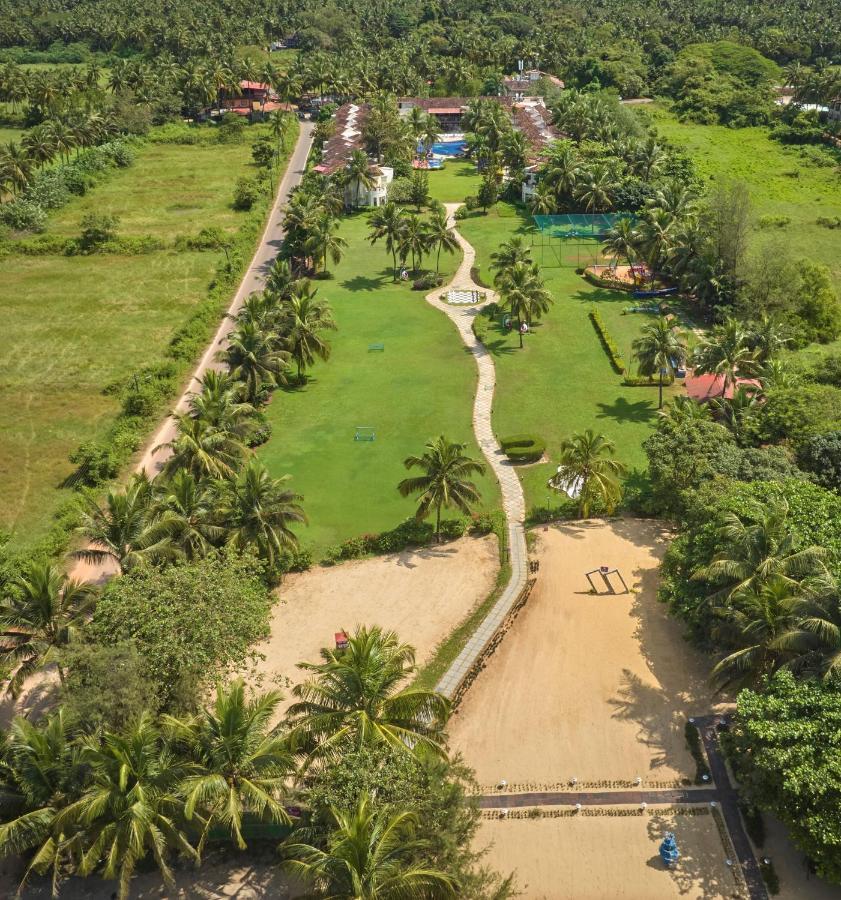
253 280
513 501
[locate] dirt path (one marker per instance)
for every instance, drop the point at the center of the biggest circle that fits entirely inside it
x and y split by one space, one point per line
513 501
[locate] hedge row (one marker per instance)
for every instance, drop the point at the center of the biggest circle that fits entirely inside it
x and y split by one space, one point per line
615 284
646 380
411 533
608 343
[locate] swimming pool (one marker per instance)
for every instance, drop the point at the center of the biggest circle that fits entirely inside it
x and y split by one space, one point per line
447 148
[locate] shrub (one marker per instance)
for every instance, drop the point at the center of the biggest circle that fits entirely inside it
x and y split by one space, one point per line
523 448
608 343
246 193
693 742
95 464
770 876
765 222
754 823
453 528
23 215
400 191
461 213
97 229
827 222
427 282
471 203
486 523
821 455
645 380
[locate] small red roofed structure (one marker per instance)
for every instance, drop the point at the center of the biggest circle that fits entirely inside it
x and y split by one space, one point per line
703 388
341 640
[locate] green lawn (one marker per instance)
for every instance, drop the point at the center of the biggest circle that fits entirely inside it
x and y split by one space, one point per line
562 380
73 325
781 182
10 134
454 182
420 386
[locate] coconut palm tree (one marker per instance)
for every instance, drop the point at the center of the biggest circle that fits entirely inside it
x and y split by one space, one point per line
45 613
203 449
15 166
122 529
587 465
767 337
523 294
219 401
738 410
756 548
388 222
323 243
660 348
726 353
562 169
414 240
130 806
358 696
760 626
513 251
817 635
257 511
429 136
305 317
241 762
445 482
357 174
370 855
544 200
440 236
682 409
255 358
593 188
183 505
621 243
40 775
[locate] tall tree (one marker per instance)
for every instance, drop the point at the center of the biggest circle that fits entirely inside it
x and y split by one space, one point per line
660 348
388 222
359 695
440 236
305 319
371 855
445 482
45 613
242 764
587 469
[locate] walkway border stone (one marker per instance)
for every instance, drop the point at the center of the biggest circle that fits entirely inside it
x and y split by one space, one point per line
513 500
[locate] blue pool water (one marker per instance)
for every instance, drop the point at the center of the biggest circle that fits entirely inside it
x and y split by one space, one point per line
448 148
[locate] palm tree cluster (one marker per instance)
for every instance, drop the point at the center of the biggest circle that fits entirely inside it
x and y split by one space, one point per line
674 237
212 490
70 116
776 603
82 802
311 224
520 284
408 236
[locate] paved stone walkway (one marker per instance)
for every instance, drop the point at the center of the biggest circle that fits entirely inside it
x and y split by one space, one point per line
513 501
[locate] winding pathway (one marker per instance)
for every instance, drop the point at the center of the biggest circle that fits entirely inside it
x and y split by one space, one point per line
513 504
513 501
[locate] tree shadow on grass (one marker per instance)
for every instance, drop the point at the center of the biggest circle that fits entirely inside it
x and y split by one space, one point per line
621 410
363 283
499 347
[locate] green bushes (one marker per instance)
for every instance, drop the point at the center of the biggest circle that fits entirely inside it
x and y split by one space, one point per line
693 742
523 448
608 343
645 380
411 533
427 282
246 193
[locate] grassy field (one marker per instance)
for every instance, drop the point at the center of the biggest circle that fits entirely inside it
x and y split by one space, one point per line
782 182
454 182
420 386
74 325
169 190
562 381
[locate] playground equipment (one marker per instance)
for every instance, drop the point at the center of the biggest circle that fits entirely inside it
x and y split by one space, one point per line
580 234
341 640
605 572
364 433
669 852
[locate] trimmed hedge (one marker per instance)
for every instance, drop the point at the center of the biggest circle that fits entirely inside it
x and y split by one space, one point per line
523 448
693 742
646 380
608 343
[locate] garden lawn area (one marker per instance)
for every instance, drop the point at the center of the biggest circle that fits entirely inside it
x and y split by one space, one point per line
10 134
783 181
454 182
74 325
562 380
421 385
